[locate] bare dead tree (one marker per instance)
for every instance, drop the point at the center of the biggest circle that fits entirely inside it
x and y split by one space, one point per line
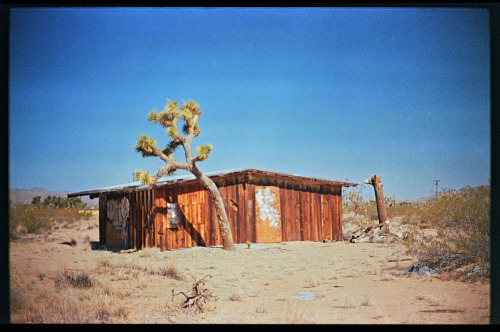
376 182
169 118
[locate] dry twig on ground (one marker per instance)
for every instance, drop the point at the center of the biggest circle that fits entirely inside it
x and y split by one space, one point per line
198 296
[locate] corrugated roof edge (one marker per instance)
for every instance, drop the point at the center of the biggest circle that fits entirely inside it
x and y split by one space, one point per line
188 177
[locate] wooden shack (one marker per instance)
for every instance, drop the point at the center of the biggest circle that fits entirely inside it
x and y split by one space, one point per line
262 207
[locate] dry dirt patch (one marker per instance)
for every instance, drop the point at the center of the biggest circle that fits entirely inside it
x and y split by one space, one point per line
289 282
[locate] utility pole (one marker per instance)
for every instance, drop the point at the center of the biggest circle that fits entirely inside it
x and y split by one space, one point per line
436 181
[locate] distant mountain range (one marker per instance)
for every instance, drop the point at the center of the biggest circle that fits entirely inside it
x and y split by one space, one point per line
19 196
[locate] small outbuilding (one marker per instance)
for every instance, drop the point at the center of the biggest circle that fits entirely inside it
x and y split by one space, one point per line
262 207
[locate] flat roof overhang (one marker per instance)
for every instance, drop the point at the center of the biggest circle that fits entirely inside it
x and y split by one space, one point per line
169 180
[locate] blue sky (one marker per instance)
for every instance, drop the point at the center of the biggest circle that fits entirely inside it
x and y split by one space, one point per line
335 93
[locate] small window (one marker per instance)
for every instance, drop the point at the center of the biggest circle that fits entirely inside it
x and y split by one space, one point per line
174 215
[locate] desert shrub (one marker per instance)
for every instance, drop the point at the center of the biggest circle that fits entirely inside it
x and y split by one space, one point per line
79 280
411 214
36 218
462 221
355 209
62 216
29 218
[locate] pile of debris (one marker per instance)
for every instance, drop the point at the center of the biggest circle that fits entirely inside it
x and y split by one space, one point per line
378 233
374 234
419 269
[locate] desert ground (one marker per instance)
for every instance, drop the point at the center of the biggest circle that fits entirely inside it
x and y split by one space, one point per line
57 277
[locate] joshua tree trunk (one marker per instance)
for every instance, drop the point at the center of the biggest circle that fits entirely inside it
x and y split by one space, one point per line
376 182
225 230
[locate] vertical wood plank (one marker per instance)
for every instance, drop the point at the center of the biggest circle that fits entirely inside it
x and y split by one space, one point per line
130 223
327 209
339 212
324 217
333 204
152 214
102 218
208 219
160 217
199 215
147 229
157 217
137 220
287 214
238 237
149 221
146 219
241 212
297 230
132 220
316 216
176 236
306 216
250 211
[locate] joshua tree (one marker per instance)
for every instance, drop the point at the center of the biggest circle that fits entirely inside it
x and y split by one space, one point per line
168 118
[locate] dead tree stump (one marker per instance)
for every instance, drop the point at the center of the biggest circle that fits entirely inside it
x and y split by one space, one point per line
376 182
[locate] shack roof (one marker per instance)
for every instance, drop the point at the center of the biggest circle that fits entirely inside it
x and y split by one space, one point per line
169 179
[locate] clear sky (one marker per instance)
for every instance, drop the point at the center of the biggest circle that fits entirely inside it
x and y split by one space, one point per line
334 93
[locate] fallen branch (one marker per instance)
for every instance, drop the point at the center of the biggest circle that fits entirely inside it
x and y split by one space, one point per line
198 296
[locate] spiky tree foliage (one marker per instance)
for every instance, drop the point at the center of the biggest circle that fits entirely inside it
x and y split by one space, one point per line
190 112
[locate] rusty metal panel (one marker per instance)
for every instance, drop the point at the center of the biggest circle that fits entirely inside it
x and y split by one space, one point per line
268 214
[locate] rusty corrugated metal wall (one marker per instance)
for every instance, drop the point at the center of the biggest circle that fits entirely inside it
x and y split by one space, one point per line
259 208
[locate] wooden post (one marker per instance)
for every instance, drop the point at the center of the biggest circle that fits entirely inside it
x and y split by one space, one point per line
376 182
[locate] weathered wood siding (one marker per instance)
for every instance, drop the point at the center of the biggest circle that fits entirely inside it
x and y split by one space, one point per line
284 210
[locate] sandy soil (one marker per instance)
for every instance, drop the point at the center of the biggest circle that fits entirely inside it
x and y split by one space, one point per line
279 283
